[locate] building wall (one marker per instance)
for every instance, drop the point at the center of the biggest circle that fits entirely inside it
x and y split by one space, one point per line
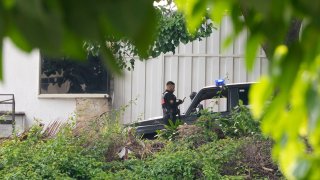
192 67
21 78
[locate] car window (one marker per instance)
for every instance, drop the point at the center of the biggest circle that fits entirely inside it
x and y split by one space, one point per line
216 104
243 95
213 99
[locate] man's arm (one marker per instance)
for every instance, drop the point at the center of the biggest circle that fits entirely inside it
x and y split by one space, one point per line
179 101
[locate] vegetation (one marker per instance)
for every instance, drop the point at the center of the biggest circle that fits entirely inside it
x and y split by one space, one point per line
57 28
170 130
193 153
38 158
170 32
287 100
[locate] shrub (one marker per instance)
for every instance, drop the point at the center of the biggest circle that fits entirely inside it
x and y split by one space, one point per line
215 154
239 122
236 124
196 153
194 136
170 131
104 136
176 165
177 161
253 159
38 158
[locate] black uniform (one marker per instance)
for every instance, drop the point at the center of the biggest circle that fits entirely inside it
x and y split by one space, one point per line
170 106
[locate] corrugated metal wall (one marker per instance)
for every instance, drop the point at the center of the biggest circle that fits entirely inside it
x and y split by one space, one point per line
192 67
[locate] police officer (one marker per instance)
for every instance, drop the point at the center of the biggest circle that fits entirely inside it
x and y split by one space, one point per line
170 103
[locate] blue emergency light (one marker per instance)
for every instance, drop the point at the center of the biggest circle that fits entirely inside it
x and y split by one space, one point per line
219 82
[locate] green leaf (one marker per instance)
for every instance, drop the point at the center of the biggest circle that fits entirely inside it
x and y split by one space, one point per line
302 168
48 22
2 33
8 4
1 57
219 8
171 123
194 10
228 41
134 19
18 39
252 47
259 94
110 61
71 46
274 116
313 106
87 23
279 56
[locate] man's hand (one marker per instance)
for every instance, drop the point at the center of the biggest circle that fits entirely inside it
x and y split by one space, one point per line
181 101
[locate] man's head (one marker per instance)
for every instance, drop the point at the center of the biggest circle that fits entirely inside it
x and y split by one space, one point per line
170 86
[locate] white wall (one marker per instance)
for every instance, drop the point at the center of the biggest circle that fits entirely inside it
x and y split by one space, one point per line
21 78
194 66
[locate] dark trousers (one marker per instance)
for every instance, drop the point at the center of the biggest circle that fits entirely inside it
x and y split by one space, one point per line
167 116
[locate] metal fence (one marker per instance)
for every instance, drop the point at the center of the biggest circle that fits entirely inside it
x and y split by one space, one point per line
7 110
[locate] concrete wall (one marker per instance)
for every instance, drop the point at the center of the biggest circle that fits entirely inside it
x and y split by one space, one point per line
192 67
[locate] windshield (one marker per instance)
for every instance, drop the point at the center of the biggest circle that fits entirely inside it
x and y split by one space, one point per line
214 99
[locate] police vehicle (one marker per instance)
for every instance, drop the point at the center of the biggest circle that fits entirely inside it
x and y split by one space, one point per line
220 98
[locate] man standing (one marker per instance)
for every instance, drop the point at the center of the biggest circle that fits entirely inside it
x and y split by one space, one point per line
170 103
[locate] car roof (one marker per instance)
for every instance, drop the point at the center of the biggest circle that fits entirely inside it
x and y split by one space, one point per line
231 84
214 87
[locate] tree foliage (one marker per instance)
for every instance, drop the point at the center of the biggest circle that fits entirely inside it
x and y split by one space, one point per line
59 27
291 116
287 99
170 32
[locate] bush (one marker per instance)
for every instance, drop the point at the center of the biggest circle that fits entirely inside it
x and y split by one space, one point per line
253 159
215 154
175 165
170 131
194 152
182 164
104 136
236 124
239 123
178 161
38 158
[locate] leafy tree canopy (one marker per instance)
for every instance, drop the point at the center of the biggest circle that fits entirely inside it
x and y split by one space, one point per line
120 28
59 27
170 32
288 98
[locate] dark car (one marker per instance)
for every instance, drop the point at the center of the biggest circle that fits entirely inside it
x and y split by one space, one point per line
220 98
